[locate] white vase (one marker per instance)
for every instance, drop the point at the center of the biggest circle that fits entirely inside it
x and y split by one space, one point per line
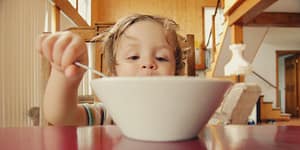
237 64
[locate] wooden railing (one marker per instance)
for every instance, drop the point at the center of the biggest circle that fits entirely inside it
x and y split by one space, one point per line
212 37
70 11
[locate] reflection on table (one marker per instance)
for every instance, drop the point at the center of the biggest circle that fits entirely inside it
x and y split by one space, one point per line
110 137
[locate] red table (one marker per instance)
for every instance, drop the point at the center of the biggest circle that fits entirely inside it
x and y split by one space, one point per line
109 137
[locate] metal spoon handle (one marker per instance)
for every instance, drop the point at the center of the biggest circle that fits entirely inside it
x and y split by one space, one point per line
89 68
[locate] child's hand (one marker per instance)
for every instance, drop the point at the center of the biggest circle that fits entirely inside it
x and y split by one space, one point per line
62 49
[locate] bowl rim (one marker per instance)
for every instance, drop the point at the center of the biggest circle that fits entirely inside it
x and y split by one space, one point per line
161 78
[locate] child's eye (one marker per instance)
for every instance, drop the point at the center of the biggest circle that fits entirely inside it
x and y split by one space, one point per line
133 57
161 59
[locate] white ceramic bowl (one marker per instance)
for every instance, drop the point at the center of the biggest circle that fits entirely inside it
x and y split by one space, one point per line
160 108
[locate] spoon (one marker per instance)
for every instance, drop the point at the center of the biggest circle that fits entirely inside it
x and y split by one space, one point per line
91 69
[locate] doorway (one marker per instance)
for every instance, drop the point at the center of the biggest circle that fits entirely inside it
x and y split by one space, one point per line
288 82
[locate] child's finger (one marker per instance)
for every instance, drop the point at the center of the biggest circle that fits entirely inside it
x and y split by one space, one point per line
76 51
47 46
60 46
39 41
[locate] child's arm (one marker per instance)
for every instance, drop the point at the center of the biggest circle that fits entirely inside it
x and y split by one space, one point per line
60 101
62 49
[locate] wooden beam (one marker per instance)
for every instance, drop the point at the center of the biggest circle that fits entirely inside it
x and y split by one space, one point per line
276 19
70 11
248 10
237 34
231 5
86 33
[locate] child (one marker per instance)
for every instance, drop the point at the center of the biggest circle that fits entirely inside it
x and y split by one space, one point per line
138 45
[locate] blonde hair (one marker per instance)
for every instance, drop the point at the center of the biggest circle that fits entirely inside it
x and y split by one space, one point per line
112 36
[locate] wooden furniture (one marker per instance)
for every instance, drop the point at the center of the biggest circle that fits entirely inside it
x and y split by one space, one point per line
231 137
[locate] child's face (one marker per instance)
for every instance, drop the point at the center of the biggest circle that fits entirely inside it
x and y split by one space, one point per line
143 50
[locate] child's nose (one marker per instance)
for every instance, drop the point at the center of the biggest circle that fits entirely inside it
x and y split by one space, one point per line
152 66
149 65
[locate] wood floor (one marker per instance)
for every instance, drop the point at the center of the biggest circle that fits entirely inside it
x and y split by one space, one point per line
293 121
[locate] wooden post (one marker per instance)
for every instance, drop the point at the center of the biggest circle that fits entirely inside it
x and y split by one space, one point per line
237 34
213 38
202 46
191 55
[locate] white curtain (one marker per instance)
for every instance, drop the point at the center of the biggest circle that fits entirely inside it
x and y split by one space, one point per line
22 75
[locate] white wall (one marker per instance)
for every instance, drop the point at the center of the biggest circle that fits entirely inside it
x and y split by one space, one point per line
264 62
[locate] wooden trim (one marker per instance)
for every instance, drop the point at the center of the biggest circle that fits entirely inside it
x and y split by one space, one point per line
248 10
70 11
276 19
285 52
209 3
213 34
231 5
277 79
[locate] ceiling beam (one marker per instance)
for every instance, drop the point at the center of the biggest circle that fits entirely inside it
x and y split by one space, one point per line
248 10
276 19
70 11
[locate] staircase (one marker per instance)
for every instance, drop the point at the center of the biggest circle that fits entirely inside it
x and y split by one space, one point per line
219 40
268 113
220 56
